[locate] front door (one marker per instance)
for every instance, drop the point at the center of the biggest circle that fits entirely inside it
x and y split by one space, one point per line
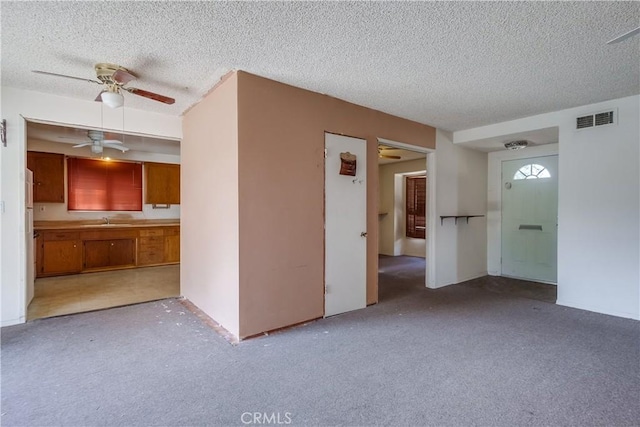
345 226
530 218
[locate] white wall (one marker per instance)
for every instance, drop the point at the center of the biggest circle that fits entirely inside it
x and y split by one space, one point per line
598 205
16 106
59 212
461 177
391 237
210 224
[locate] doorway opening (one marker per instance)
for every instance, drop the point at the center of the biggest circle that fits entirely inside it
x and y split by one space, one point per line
95 258
405 225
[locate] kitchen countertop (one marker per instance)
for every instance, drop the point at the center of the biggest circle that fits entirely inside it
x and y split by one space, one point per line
100 225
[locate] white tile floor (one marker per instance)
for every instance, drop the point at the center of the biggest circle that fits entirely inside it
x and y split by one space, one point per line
55 296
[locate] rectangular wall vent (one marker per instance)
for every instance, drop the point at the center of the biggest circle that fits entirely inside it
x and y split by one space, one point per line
584 122
597 119
604 118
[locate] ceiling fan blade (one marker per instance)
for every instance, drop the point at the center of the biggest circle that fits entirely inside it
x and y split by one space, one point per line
99 97
150 95
111 141
116 147
86 144
390 157
65 76
384 147
123 77
624 36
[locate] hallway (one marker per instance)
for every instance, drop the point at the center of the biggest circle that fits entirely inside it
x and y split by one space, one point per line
402 275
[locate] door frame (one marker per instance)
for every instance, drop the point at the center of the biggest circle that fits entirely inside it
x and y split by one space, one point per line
494 198
430 241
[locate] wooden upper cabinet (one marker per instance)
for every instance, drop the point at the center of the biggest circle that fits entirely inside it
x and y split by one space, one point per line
162 183
48 176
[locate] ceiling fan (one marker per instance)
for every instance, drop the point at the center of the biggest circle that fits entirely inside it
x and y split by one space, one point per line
98 143
113 79
382 148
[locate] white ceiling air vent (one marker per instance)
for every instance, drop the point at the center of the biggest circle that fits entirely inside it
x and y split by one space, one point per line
593 120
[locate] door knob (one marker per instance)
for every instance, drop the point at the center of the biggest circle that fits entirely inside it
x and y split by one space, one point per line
363 234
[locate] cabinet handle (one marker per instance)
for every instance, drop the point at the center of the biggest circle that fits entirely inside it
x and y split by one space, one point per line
112 244
74 246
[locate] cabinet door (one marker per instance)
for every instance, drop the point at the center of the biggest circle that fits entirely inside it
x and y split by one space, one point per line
122 252
96 253
172 248
162 183
61 257
48 176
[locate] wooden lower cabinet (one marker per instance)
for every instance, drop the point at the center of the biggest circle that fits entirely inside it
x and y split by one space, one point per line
70 252
151 246
123 252
60 253
172 245
102 254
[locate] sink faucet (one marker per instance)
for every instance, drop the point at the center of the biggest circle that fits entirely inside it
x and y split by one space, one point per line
106 219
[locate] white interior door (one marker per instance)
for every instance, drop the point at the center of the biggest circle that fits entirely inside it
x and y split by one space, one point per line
345 227
530 218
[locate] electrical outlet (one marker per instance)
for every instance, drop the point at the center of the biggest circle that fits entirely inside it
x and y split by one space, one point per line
42 208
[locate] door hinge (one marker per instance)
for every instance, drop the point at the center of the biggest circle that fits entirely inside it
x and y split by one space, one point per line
325 153
326 289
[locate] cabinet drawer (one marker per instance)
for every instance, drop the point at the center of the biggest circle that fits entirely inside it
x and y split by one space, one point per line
150 247
173 231
150 240
151 257
151 232
49 236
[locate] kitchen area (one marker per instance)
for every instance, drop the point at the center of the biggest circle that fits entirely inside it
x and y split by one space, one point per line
103 220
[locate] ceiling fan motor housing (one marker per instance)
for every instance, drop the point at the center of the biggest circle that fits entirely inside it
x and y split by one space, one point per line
95 135
105 71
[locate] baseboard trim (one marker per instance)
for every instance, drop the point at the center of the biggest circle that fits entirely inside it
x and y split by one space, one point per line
599 310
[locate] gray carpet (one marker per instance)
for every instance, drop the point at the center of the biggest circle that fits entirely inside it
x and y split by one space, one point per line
455 356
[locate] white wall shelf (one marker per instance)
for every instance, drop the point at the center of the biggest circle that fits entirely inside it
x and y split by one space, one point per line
443 217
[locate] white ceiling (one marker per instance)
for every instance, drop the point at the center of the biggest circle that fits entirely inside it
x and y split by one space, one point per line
452 65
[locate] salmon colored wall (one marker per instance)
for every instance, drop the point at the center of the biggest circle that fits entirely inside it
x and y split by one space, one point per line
281 195
209 271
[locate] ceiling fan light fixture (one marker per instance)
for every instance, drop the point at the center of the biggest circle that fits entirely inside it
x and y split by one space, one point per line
96 149
516 145
112 99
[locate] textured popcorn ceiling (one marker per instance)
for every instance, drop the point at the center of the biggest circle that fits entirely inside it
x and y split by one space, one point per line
447 64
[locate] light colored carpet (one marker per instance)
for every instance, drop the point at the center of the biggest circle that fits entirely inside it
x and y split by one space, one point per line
455 356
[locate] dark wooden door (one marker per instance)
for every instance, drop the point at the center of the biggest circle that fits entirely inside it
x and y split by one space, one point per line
48 176
122 252
96 253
